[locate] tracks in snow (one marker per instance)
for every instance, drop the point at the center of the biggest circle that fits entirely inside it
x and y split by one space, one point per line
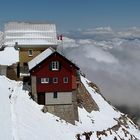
14 116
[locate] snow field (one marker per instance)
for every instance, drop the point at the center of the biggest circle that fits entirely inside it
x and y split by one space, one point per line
22 118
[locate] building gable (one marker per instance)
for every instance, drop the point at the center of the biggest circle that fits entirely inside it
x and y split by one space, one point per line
46 56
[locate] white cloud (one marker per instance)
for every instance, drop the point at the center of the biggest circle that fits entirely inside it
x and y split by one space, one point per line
110 59
99 54
99 30
68 42
85 41
133 32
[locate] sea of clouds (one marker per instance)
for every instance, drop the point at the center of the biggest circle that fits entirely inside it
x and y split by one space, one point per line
110 58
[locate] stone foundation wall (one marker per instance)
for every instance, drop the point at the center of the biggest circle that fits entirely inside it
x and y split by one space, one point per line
85 100
65 112
75 105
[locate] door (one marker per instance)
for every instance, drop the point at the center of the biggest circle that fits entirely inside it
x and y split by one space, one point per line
41 98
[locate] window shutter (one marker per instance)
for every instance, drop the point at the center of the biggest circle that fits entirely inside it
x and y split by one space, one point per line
60 65
50 80
38 80
50 66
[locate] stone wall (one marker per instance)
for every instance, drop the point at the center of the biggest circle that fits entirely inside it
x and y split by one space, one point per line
12 72
85 100
65 112
75 105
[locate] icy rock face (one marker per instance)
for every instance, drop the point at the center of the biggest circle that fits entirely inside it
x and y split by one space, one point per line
22 118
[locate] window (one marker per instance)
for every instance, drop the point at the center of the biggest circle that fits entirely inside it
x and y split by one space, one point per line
65 80
25 64
30 52
55 94
44 80
55 65
25 67
55 80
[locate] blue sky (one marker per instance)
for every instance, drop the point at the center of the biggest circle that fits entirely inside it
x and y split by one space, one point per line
73 14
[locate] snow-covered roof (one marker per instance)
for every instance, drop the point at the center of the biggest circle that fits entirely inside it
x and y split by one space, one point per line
30 33
35 61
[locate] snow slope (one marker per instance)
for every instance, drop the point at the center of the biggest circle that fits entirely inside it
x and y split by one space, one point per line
9 56
22 119
5 111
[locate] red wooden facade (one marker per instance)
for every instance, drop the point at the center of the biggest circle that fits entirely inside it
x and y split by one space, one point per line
56 78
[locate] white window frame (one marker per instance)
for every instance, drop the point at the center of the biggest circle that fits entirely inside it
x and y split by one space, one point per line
30 52
55 80
65 80
55 65
45 80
